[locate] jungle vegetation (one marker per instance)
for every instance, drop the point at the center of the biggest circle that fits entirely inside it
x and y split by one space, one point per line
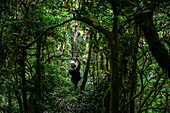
123 46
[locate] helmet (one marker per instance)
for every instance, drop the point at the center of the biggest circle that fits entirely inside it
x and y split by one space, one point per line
72 63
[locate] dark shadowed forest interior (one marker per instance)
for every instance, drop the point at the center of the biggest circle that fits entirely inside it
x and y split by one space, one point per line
84 56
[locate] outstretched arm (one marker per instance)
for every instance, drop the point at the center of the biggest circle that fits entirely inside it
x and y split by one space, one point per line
79 63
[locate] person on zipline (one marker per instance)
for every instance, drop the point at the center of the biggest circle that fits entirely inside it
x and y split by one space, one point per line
74 72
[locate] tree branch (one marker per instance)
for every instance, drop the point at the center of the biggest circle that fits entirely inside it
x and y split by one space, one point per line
149 94
44 31
97 26
54 56
16 51
163 27
152 108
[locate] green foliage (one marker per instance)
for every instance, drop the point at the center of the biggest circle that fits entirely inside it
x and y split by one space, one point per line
48 86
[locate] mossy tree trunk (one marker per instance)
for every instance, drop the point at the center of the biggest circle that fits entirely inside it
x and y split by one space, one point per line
145 20
38 80
23 66
134 68
87 65
24 90
114 81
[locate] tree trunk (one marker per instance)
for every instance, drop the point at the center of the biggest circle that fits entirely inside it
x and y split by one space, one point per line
38 71
1 47
85 33
24 91
134 76
114 81
23 65
106 100
38 80
87 66
101 62
75 42
107 63
145 20
18 98
97 66
9 102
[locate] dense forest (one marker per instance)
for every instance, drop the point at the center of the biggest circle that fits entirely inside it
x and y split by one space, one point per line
123 47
